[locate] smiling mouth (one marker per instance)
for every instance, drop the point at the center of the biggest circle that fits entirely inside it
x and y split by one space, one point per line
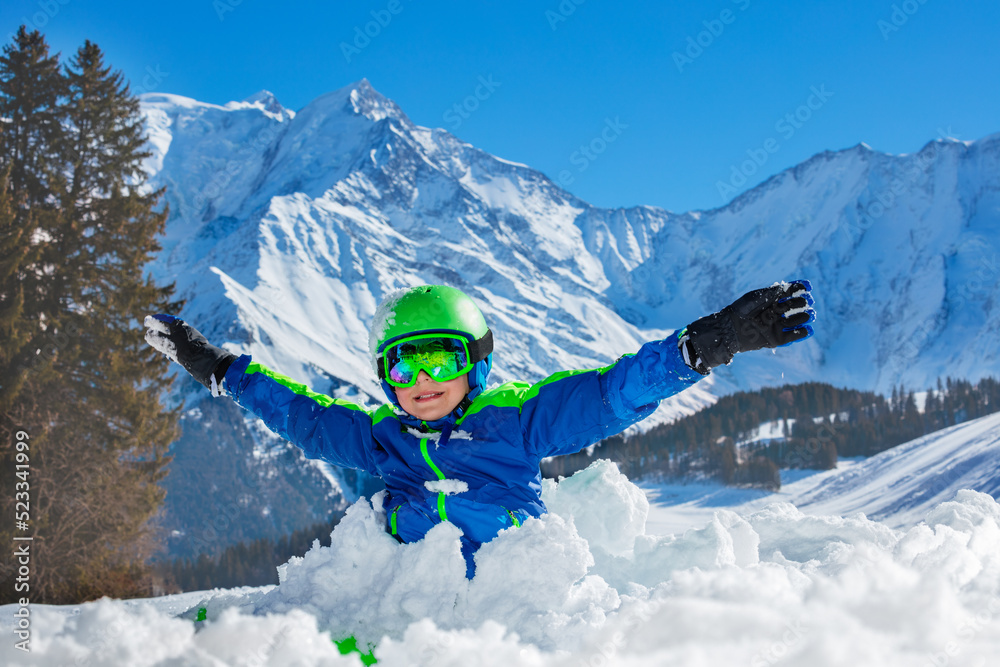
427 397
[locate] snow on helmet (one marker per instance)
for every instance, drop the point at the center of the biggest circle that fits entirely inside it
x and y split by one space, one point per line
433 309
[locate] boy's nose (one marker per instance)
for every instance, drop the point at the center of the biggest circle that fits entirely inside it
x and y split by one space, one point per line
423 376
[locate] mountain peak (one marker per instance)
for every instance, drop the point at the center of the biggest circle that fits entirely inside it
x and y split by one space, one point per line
373 104
362 99
266 99
266 102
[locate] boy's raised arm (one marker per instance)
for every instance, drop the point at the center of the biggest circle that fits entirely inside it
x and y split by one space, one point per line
323 427
570 410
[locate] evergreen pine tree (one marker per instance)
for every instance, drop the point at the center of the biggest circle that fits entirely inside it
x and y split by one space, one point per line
30 91
99 432
18 329
31 88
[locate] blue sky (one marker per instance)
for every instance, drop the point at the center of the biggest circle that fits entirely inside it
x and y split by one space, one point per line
624 103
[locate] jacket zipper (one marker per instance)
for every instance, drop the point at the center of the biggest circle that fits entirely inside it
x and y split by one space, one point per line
442 511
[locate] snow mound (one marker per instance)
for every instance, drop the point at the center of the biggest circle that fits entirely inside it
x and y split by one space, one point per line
585 585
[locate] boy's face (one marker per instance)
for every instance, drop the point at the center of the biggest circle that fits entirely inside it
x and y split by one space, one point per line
429 399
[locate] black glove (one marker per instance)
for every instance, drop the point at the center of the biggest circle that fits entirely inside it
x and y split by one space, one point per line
769 317
184 344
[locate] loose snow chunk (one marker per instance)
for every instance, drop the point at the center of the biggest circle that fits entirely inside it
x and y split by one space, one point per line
449 487
435 436
159 343
151 322
795 311
607 509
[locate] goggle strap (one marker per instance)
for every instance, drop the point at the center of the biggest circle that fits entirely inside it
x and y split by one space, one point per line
480 348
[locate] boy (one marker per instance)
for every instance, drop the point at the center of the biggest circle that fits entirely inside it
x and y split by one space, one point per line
447 448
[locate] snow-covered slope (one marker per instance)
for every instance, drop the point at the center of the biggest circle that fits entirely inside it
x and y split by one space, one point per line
897 487
900 485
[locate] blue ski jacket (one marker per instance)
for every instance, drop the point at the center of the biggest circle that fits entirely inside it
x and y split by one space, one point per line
478 469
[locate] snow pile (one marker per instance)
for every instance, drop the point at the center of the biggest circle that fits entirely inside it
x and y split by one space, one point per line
585 585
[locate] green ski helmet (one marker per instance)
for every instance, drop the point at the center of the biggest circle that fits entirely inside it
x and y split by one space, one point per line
432 309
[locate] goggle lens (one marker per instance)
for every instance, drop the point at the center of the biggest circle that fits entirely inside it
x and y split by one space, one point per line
443 358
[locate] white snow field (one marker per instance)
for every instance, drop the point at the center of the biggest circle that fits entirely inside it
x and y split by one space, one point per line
591 584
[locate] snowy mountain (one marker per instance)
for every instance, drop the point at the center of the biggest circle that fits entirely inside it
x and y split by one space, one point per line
595 583
285 233
287 228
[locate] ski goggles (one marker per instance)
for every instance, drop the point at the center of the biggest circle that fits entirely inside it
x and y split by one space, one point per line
443 357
